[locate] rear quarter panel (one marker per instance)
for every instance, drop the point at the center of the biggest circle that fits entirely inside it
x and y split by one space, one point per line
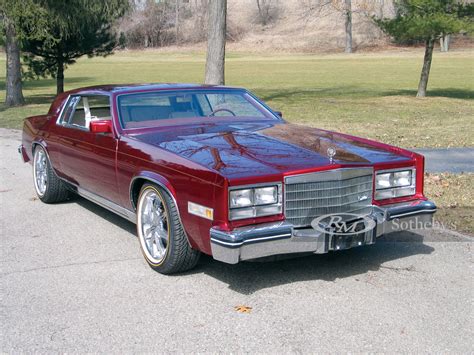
33 131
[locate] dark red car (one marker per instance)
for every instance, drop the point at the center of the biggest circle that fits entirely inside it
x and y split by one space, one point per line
212 169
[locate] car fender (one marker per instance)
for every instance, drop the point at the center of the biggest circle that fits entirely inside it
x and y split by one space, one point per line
163 183
155 178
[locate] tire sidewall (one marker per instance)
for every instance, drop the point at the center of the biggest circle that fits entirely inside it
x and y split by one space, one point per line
171 227
48 167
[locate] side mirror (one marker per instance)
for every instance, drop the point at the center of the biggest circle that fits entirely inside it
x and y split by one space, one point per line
101 126
279 113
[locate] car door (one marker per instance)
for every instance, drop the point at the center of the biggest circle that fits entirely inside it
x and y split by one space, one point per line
87 159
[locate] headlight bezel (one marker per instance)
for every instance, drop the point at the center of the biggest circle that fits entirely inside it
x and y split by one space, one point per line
394 190
255 210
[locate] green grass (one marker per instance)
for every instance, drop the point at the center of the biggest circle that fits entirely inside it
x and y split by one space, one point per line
453 195
371 95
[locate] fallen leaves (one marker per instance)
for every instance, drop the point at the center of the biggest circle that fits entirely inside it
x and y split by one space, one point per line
243 309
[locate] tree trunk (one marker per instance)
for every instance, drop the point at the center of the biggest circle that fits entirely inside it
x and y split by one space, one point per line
176 25
444 43
348 25
425 72
14 91
216 33
263 18
380 9
60 78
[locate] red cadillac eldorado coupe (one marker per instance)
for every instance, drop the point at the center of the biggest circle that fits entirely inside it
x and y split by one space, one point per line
212 169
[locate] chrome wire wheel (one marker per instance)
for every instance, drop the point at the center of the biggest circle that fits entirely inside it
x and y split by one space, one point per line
40 171
153 226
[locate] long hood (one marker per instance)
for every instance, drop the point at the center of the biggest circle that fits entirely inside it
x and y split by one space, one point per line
238 150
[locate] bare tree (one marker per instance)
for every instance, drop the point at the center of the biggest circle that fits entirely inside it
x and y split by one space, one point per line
326 7
267 11
176 22
348 25
14 91
216 35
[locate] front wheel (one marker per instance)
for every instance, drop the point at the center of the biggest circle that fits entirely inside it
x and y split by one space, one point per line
162 238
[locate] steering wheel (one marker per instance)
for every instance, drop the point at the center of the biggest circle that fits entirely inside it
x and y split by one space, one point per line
213 113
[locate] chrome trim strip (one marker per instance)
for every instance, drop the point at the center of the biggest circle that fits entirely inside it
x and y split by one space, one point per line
279 236
107 204
329 175
66 102
414 212
411 167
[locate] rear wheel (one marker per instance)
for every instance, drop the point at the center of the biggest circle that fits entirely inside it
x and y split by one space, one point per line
48 186
162 238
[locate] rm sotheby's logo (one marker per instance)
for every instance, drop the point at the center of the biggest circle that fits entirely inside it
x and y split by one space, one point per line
343 224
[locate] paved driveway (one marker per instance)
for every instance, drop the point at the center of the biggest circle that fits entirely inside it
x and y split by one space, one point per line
73 279
451 160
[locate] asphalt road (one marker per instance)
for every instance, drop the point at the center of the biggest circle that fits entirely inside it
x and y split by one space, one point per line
452 160
72 279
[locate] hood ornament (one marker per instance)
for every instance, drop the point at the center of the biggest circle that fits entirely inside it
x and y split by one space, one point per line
331 153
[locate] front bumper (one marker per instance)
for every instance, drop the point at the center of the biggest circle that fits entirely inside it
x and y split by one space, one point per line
258 241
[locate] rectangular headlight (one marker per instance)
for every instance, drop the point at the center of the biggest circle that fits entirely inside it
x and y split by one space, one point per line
266 195
241 198
258 201
397 183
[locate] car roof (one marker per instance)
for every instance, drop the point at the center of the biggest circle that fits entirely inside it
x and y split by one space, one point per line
125 88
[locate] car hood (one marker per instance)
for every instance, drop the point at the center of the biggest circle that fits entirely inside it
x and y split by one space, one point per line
241 149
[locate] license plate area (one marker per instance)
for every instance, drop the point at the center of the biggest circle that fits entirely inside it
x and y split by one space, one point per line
348 241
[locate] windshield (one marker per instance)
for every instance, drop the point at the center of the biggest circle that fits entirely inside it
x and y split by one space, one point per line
148 109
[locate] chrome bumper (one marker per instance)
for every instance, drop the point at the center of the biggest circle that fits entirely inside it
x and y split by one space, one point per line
257 241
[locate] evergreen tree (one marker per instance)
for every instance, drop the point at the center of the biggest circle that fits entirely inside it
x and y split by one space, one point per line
428 20
12 14
72 29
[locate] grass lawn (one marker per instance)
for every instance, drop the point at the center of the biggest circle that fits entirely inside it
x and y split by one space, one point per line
371 95
453 194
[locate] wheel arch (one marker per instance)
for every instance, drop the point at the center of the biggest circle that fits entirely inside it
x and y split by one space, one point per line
144 177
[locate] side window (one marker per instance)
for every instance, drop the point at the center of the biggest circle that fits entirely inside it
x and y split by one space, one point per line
99 107
69 109
81 110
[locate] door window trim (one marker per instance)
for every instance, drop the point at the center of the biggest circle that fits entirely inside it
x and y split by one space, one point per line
61 118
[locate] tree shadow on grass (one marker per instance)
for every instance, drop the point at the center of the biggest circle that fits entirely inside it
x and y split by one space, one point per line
453 93
356 92
42 83
292 94
32 100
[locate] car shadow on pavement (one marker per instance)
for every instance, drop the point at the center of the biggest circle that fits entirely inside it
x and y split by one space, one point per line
249 277
105 214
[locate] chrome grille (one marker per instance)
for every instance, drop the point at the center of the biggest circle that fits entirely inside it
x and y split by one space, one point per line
308 196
